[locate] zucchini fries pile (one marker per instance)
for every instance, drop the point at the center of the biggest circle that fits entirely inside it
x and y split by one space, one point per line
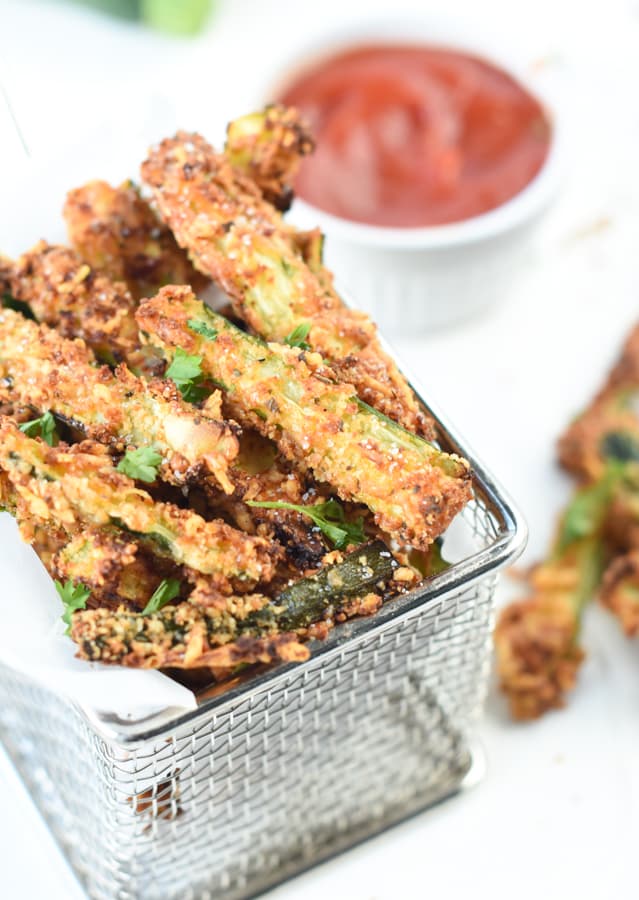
596 550
205 490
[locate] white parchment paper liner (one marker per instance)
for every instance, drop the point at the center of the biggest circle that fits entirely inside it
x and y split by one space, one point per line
32 641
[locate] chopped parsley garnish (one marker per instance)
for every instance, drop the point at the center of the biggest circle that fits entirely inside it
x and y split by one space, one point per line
297 337
186 371
142 464
167 590
20 306
202 328
42 427
329 518
74 597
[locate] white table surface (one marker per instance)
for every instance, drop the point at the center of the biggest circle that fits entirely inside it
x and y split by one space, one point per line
557 812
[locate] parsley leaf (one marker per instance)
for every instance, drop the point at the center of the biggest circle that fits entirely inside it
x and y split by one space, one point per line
142 464
184 367
186 371
202 328
167 590
73 596
20 306
43 427
297 337
329 518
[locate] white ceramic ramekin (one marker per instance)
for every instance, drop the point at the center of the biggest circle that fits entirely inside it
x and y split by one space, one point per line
417 279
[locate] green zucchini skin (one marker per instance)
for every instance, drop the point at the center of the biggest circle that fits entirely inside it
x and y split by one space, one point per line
363 570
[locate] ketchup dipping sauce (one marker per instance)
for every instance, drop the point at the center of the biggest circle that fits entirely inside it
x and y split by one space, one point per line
412 136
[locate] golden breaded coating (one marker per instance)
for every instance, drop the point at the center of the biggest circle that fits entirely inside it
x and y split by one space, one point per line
620 591
625 372
52 373
46 540
413 489
268 147
112 565
183 636
613 411
66 293
237 239
74 486
260 474
117 233
585 446
536 639
6 273
537 657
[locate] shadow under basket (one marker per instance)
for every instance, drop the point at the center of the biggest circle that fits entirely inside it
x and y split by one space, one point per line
290 766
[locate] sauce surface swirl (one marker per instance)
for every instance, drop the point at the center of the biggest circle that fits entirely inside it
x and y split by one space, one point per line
411 136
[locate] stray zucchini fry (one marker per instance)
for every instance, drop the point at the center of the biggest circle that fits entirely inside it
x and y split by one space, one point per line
268 147
64 292
537 639
72 486
232 235
116 231
49 372
413 489
615 410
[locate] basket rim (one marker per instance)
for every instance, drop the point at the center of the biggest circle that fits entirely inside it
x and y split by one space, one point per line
503 550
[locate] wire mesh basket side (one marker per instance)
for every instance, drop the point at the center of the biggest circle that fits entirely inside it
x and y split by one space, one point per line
235 800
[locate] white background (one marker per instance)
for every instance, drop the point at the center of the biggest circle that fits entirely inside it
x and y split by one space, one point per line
556 814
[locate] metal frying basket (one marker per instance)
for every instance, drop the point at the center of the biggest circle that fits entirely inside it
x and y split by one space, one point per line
293 765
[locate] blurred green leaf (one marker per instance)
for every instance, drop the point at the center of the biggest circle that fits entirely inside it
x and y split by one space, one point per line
185 17
123 9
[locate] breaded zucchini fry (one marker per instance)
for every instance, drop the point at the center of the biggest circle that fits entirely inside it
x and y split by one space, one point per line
268 147
254 628
72 486
66 293
51 373
536 639
240 241
117 233
620 591
183 636
413 489
615 410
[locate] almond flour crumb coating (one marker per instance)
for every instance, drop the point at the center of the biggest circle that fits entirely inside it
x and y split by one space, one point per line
268 147
49 372
614 410
115 230
76 486
65 292
239 240
183 636
413 489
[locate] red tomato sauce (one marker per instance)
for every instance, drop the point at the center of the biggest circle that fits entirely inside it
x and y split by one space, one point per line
409 136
